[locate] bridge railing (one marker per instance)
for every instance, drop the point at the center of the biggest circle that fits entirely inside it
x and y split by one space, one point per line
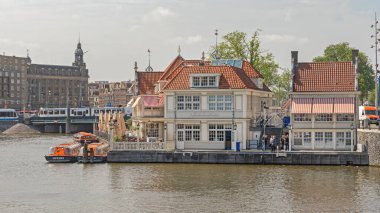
124 146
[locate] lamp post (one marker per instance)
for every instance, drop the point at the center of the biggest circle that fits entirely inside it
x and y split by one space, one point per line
376 64
264 107
138 135
352 136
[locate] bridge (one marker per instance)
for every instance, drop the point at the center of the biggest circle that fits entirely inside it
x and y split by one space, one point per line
64 124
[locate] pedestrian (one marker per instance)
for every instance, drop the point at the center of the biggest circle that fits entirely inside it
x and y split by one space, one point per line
272 143
286 141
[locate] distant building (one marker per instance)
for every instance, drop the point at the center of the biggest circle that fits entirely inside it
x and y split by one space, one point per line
13 89
324 103
93 94
113 94
32 86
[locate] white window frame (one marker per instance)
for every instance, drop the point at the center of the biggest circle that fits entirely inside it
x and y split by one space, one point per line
302 117
188 102
217 132
345 117
323 117
204 80
188 132
152 130
220 102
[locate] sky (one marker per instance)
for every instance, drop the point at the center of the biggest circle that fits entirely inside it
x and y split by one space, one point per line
116 33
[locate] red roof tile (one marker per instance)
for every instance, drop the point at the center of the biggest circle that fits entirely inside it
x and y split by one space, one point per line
250 70
324 77
147 81
231 77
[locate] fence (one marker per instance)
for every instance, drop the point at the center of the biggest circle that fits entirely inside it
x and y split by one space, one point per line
124 146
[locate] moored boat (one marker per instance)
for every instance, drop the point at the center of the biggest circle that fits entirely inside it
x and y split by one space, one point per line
63 153
85 137
93 153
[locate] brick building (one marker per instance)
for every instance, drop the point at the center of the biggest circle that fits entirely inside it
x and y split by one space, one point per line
26 85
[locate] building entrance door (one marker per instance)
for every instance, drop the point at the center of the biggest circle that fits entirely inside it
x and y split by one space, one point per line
227 140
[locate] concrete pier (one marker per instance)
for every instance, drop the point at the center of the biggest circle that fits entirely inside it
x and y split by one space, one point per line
230 157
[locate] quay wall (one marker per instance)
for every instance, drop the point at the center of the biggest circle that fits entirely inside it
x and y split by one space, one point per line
4 125
371 140
291 158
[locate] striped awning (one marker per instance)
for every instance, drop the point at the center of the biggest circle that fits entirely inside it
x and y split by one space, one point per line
323 105
302 105
344 105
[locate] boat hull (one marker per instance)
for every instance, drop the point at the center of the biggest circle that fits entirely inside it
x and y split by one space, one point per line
61 159
96 159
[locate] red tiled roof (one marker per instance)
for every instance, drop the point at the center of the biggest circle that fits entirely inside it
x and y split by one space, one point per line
173 65
250 70
231 77
324 77
146 82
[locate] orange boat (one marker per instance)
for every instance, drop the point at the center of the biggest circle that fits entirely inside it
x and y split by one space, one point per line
63 153
93 153
85 137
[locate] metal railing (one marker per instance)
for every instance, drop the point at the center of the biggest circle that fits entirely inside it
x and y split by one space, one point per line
124 146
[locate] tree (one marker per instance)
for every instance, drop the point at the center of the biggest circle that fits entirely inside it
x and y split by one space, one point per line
343 52
281 87
236 45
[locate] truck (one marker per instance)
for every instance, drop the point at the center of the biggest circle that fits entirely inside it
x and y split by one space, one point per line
368 113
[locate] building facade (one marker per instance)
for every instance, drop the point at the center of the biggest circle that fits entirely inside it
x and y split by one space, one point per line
114 94
198 105
13 81
324 103
31 86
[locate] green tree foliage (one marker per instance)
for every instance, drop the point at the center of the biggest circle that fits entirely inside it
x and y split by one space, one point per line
281 87
343 52
236 45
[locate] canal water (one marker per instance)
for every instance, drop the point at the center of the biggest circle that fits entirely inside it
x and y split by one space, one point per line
28 183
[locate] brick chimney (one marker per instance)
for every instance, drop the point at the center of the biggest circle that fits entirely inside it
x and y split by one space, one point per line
294 65
355 62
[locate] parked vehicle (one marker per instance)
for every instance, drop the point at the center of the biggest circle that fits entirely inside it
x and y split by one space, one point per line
8 115
368 113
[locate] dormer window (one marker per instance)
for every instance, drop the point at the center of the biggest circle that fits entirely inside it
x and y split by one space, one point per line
202 80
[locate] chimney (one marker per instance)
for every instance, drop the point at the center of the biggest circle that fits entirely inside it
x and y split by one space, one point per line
294 65
355 62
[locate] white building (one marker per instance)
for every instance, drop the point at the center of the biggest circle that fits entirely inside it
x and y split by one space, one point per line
324 104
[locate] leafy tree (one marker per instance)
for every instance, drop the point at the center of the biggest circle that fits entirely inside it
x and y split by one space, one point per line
236 45
343 52
281 87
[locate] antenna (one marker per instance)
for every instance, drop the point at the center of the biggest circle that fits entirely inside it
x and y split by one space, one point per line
149 68
27 53
179 50
79 38
376 64
216 45
135 68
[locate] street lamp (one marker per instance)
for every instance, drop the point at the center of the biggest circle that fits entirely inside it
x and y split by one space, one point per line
353 126
138 135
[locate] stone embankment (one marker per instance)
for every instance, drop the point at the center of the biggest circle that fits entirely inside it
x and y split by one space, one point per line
371 140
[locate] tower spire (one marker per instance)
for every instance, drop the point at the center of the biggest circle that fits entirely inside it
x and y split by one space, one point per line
179 50
27 53
149 68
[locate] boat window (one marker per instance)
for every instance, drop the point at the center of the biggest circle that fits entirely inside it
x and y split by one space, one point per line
81 151
51 151
67 151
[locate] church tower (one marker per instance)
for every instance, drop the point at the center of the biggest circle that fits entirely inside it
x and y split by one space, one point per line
79 56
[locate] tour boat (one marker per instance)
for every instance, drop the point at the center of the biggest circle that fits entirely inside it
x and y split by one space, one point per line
63 153
85 137
93 153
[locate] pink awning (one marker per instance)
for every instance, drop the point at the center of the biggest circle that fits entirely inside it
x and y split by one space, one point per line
323 105
152 101
302 105
344 105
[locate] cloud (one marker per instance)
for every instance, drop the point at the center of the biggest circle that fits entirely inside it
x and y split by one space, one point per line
10 42
190 40
158 14
284 38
